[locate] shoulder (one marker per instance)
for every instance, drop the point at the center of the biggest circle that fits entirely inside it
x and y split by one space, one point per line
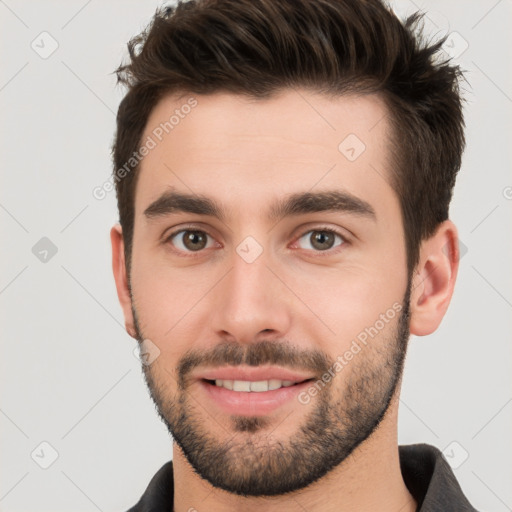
159 492
431 480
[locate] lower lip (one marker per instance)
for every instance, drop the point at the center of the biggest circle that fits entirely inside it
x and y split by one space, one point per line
252 403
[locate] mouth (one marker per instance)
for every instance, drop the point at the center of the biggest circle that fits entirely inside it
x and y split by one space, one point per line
258 386
253 397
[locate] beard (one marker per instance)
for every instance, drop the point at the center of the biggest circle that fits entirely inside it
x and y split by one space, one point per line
251 462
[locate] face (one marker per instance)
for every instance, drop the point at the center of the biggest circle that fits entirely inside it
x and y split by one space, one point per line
269 271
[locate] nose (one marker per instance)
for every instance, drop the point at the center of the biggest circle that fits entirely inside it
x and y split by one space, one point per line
251 303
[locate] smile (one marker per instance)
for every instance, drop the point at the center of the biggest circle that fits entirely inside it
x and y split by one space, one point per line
257 386
252 397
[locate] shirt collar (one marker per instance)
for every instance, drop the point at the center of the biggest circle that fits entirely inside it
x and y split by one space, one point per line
425 471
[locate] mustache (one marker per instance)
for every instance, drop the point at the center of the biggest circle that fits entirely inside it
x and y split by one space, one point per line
280 353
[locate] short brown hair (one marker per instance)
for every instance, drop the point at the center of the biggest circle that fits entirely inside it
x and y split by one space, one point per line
335 47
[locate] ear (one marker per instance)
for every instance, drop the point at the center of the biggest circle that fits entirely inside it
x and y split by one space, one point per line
434 279
120 276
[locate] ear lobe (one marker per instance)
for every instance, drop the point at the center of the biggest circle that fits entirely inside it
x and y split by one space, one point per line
434 279
121 278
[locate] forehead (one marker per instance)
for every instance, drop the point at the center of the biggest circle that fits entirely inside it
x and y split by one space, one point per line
245 150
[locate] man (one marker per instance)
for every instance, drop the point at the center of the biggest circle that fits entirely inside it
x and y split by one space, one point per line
284 171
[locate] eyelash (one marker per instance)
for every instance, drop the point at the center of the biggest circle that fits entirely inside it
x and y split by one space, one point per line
321 229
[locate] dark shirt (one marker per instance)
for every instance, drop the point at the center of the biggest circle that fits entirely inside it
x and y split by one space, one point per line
425 471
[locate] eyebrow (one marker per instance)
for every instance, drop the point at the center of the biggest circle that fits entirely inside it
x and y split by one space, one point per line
295 204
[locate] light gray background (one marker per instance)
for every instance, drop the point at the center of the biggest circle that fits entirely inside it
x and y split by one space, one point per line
68 373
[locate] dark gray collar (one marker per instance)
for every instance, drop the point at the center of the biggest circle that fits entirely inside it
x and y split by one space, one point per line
425 471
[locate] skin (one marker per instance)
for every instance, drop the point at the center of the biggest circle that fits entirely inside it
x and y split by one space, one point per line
245 153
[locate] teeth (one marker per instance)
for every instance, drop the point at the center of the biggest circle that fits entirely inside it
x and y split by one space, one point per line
241 385
255 386
260 385
274 384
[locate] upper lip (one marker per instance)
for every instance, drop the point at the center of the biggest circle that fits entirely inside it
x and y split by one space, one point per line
252 374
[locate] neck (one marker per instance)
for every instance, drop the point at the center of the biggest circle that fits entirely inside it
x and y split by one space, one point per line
368 480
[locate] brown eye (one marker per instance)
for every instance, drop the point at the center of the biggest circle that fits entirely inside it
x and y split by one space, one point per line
190 240
320 240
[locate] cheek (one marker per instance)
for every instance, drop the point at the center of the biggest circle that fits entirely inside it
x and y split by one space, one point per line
168 302
163 305
352 300
355 311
